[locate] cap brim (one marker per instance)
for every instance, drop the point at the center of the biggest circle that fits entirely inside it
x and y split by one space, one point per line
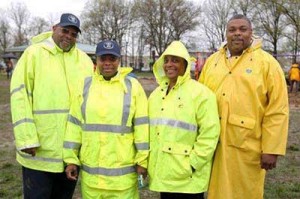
69 24
108 53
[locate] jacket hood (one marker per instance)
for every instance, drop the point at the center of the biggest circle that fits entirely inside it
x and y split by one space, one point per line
41 37
48 43
176 48
256 44
294 65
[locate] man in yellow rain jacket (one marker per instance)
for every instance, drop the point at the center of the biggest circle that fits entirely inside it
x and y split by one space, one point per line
44 80
253 108
184 128
107 132
294 77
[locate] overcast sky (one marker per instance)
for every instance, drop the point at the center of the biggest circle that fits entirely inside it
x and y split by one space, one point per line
46 8
52 8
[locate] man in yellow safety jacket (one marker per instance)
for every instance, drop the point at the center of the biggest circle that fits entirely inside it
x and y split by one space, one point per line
107 132
253 107
44 80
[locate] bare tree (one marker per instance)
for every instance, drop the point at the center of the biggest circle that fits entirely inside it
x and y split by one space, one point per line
4 34
20 15
270 21
291 8
215 18
244 7
38 25
166 20
106 19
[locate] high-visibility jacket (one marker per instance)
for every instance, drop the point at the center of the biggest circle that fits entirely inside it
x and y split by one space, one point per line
43 81
253 107
107 131
184 130
294 73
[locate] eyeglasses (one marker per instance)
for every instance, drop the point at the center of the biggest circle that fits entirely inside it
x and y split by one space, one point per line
111 58
67 32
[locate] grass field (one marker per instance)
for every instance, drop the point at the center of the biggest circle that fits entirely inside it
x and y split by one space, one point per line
281 183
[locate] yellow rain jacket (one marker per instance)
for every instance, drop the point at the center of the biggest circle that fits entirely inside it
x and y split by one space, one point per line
184 130
253 109
294 73
108 131
43 81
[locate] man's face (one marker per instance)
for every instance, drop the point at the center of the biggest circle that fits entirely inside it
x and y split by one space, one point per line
65 37
108 65
239 33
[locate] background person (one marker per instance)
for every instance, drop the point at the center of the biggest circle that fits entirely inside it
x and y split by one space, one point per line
45 79
253 108
107 132
294 77
9 67
184 128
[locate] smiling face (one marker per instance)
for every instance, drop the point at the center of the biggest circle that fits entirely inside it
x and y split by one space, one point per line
108 65
239 33
174 66
65 37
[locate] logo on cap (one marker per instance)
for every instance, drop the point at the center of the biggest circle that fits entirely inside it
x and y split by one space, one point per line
72 19
108 45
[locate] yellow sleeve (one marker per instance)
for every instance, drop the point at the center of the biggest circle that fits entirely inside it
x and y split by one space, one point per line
21 91
141 127
72 139
208 135
275 121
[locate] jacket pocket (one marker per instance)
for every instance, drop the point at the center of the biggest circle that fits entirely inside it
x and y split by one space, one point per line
238 129
175 161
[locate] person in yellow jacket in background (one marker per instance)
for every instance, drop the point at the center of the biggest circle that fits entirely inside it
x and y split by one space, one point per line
294 77
253 107
42 85
108 130
184 128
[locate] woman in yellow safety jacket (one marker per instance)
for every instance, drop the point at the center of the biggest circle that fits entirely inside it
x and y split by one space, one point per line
184 128
107 131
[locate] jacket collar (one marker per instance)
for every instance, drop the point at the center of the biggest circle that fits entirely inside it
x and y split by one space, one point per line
45 39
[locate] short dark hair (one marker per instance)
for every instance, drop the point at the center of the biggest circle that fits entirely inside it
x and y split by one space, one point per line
240 16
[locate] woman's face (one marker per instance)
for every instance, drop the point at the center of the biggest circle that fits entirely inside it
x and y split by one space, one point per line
108 65
174 66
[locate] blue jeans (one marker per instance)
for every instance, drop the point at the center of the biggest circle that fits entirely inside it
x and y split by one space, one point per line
46 185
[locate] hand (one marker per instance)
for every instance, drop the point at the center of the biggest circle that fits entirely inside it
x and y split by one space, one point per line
71 172
268 161
141 171
31 151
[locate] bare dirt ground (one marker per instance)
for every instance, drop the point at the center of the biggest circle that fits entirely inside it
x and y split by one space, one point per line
289 177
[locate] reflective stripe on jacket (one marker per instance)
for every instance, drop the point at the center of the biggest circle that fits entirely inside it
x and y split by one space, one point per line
42 83
184 130
108 129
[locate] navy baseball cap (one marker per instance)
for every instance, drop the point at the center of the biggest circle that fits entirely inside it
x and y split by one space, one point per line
68 19
108 47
